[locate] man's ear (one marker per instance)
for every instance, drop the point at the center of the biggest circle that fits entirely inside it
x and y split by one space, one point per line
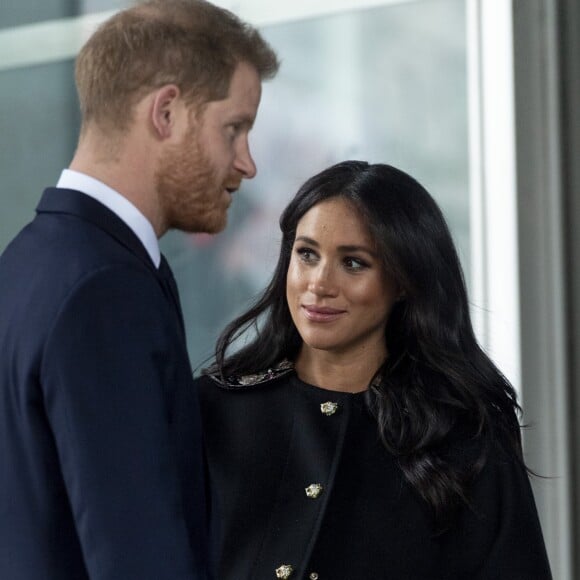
164 110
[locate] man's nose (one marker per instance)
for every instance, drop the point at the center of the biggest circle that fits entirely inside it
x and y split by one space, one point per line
244 163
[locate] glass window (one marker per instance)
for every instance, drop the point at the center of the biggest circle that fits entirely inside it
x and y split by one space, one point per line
386 84
26 12
39 119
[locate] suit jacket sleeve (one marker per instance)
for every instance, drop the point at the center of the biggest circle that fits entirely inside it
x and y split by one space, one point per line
106 375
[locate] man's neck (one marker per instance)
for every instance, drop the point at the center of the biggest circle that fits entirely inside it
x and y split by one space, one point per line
119 165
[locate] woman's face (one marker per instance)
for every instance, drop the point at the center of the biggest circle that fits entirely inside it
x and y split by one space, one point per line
337 290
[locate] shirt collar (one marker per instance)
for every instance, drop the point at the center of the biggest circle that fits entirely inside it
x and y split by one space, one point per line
118 204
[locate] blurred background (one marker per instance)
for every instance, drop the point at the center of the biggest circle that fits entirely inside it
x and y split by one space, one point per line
477 99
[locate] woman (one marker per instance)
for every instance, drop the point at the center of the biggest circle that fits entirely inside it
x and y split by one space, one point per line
362 433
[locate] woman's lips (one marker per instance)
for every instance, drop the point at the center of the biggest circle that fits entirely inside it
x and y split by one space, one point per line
322 313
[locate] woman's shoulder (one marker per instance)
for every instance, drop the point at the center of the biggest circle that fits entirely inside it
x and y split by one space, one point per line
467 447
245 380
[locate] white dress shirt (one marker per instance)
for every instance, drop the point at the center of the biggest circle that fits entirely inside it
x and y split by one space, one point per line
118 204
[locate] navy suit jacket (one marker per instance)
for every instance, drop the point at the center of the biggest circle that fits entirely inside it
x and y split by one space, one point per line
101 472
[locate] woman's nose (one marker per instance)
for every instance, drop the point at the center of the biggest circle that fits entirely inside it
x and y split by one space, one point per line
322 282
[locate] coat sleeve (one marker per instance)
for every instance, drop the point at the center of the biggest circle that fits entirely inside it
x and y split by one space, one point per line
517 550
104 373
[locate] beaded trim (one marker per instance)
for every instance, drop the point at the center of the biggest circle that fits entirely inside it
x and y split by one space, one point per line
282 368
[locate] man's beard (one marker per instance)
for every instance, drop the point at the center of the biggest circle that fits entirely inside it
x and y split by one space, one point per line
190 191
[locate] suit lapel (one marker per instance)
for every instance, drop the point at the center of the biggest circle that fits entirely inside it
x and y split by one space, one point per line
71 202
171 286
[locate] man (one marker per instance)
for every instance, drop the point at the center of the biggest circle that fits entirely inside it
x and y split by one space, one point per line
101 472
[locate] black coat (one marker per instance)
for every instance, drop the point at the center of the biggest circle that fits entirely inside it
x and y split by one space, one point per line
100 435
268 441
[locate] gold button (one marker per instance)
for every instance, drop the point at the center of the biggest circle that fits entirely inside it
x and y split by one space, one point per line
328 408
313 576
284 571
313 490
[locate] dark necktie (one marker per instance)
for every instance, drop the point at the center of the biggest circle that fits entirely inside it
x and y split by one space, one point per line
171 287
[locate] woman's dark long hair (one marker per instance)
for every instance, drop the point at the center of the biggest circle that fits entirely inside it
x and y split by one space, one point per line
436 381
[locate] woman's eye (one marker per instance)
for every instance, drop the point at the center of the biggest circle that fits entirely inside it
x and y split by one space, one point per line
306 254
355 264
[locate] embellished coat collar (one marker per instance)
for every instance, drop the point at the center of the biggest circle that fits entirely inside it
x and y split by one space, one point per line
234 382
284 367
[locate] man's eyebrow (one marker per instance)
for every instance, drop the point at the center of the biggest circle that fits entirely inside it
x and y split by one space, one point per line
243 119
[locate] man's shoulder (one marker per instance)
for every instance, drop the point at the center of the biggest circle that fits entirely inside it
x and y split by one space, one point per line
46 268
69 244
63 258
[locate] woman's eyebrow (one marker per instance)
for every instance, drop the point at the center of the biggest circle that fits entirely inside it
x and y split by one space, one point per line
354 248
344 248
306 240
